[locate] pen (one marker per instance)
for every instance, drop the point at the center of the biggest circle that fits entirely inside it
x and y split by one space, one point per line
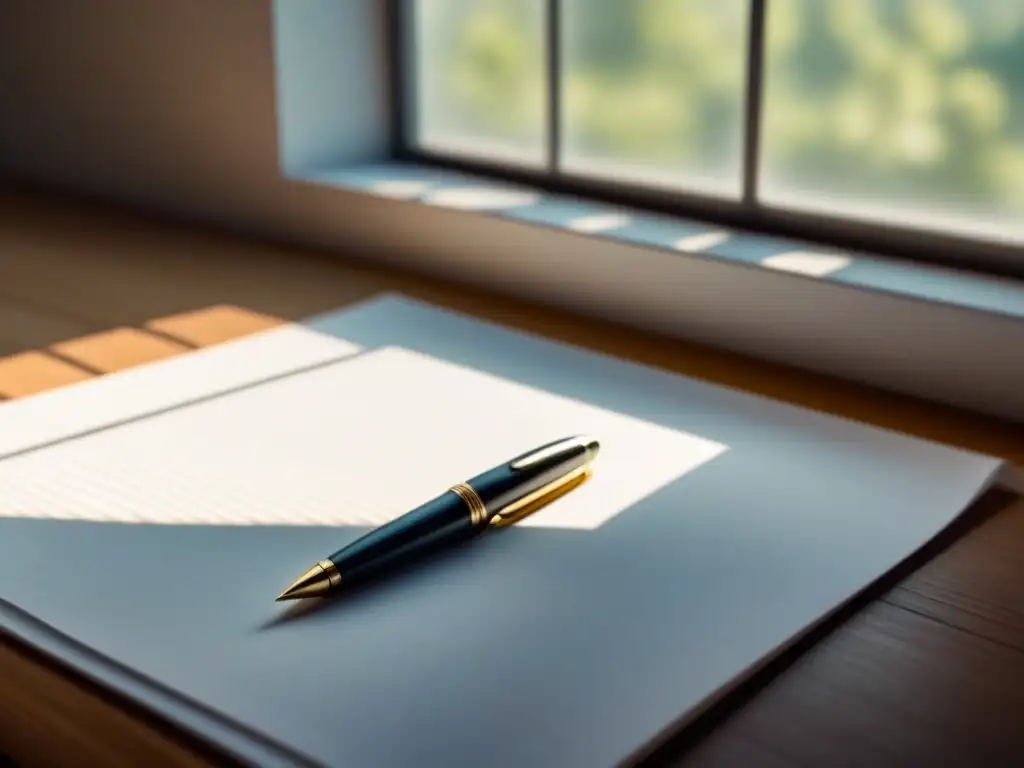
498 497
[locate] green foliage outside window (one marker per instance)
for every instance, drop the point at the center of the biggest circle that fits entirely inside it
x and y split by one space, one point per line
909 100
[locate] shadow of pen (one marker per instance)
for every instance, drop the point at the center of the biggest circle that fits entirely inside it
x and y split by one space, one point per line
349 597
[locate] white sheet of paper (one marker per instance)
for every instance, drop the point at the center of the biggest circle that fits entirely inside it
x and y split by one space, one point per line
587 630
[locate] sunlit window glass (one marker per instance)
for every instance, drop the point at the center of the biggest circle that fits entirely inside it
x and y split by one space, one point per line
903 109
653 91
479 68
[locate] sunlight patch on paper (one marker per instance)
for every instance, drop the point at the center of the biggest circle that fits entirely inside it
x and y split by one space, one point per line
355 443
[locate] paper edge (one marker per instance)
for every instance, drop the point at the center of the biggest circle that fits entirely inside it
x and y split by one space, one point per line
863 594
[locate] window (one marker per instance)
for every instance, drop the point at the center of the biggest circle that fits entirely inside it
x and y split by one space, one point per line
874 112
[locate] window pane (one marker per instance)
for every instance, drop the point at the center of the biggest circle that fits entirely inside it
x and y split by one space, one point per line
654 90
480 84
903 109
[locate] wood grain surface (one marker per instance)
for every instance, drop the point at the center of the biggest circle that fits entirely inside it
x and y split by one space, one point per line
927 669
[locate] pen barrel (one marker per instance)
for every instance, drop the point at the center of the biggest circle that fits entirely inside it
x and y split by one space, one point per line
441 522
463 511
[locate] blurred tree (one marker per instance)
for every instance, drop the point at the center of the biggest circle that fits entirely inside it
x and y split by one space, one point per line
905 100
496 63
481 71
656 81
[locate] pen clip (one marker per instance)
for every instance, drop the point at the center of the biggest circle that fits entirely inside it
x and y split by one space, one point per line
527 505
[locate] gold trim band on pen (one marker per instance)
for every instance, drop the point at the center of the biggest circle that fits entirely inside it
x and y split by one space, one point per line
331 570
477 508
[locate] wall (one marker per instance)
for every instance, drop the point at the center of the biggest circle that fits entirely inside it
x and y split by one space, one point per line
166 103
170 104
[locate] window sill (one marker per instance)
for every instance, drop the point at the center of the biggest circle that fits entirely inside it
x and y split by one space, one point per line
935 333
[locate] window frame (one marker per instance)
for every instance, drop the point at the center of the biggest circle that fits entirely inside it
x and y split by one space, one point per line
748 213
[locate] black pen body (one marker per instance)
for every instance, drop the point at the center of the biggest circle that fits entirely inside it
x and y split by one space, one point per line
441 522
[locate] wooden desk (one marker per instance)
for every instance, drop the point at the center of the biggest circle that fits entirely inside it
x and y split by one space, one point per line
930 672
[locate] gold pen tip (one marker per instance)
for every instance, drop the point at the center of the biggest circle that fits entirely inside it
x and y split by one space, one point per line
312 583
